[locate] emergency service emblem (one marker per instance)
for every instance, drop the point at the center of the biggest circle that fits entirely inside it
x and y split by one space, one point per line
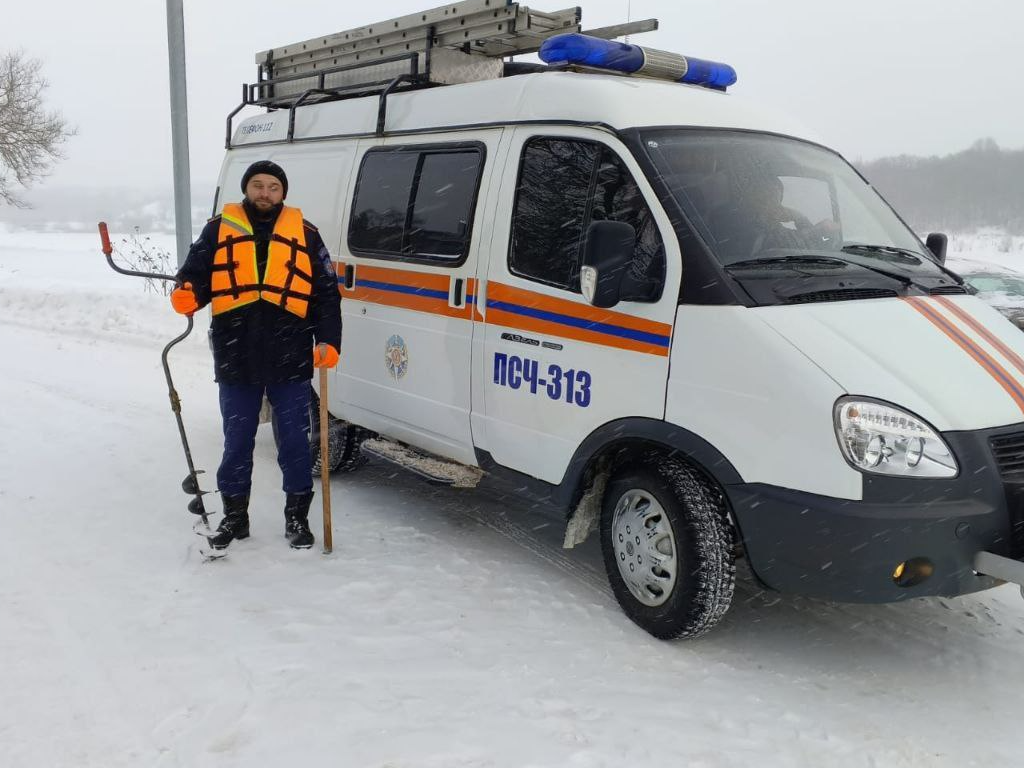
396 357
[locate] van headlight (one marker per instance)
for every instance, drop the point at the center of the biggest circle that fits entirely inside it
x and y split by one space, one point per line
886 440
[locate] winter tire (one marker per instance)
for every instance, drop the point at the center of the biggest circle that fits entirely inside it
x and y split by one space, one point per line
342 441
667 548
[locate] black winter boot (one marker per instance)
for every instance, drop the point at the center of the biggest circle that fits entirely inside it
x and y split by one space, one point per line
235 524
296 520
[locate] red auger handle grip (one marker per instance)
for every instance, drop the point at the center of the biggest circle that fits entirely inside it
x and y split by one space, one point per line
105 237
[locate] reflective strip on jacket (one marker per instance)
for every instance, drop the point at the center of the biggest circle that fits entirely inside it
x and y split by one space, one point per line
235 280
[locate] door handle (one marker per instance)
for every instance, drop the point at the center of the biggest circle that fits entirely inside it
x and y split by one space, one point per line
350 276
457 295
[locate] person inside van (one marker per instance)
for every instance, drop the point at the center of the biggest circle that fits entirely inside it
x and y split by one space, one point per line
755 220
276 315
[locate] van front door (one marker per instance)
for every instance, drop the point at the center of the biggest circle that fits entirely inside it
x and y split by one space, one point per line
552 368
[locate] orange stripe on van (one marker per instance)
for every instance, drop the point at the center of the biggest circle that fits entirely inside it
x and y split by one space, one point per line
530 311
508 307
408 289
979 355
982 331
502 292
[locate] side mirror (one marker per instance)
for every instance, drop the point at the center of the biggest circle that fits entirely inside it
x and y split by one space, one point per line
937 243
606 254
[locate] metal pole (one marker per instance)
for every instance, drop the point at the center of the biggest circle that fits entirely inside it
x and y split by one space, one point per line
179 127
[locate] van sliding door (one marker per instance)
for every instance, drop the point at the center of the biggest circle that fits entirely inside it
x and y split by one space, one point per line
408 272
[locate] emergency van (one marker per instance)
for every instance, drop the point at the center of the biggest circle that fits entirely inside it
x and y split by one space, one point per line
675 316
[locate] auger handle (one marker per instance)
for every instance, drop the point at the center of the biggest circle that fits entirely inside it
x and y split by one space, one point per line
108 251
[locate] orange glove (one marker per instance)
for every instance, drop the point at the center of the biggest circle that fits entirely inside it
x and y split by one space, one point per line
324 356
184 300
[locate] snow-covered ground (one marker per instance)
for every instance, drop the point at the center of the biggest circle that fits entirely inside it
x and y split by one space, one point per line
447 630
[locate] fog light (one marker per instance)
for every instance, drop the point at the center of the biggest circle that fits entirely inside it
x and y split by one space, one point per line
912 572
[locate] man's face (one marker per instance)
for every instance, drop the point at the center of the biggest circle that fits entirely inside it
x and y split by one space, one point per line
264 191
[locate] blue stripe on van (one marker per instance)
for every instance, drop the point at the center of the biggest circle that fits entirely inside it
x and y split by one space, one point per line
470 299
578 322
408 289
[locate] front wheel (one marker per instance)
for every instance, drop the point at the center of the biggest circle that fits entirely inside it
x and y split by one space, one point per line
667 548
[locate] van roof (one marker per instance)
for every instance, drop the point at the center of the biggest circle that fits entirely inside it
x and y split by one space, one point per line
544 97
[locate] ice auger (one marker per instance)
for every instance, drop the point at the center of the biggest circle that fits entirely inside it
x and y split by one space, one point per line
190 484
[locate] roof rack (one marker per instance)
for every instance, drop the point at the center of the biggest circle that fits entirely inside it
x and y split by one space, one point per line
463 42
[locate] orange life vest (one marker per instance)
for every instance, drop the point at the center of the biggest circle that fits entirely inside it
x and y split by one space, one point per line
235 280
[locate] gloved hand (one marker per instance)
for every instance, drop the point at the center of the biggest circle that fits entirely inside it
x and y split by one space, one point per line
324 356
184 300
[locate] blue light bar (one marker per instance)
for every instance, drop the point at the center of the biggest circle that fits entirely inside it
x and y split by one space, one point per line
574 48
712 74
595 52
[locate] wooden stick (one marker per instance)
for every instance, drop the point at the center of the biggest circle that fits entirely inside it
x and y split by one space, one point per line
325 471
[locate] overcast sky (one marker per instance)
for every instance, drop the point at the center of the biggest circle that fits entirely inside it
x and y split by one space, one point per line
872 78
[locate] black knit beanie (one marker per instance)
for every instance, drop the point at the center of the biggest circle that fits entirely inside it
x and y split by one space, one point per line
269 168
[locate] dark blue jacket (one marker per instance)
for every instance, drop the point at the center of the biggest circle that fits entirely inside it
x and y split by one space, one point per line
261 343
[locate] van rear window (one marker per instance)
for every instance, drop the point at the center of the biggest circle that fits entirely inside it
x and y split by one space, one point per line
416 203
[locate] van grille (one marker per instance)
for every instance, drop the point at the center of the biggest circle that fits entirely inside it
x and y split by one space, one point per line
848 294
1009 454
948 290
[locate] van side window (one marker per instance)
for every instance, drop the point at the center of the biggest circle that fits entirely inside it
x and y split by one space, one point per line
564 185
414 203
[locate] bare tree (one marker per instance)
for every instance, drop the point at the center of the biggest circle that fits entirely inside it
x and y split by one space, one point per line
30 135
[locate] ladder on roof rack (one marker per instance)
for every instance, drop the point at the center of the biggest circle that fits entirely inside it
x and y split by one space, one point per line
458 43
455 43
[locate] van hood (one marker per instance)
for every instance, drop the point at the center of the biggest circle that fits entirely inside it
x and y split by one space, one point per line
951 360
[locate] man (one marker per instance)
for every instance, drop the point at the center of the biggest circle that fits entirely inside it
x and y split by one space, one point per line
276 316
756 221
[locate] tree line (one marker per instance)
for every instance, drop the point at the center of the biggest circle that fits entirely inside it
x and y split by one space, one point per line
982 186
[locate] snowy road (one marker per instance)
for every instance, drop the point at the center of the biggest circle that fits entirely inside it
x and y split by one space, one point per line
448 630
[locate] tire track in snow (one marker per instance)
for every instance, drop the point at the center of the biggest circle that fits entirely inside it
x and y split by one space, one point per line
482 508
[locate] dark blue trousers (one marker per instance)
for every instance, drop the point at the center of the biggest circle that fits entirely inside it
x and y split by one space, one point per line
240 410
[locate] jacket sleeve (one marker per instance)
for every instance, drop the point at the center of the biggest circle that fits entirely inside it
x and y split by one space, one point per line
196 269
325 307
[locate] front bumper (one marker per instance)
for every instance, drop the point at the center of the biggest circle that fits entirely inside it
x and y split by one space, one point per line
844 550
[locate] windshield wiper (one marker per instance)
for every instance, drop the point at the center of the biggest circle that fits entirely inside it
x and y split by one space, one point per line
888 249
827 261
867 250
824 261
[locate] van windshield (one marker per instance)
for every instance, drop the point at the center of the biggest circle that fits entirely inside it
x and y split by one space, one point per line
757 198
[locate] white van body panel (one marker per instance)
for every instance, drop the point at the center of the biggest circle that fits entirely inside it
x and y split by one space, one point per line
885 349
758 399
564 97
317 193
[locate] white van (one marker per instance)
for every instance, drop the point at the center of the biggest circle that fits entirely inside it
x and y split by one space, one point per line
678 319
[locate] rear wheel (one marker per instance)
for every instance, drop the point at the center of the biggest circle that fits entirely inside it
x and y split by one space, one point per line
343 441
667 548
